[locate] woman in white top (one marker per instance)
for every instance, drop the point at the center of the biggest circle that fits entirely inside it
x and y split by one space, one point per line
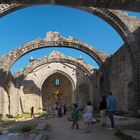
88 116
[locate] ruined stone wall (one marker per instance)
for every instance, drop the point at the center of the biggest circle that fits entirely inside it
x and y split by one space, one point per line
119 66
31 86
137 68
4 103
14 100
125 75
121 78
9 98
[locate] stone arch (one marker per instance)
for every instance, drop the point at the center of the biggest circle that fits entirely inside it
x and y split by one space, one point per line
61 72
53 39
120 21
45 60
57 93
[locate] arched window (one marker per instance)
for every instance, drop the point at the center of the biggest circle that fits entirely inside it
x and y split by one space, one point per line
57 82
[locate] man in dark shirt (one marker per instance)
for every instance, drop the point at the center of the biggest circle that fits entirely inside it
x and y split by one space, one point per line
102 108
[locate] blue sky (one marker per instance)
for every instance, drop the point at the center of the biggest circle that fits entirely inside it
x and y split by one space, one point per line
27 24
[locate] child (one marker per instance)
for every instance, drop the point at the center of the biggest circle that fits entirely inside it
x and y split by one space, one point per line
75 116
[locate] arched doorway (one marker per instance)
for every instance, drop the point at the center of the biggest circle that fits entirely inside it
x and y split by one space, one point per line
57 88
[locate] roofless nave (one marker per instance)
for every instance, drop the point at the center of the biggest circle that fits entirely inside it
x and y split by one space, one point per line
119 73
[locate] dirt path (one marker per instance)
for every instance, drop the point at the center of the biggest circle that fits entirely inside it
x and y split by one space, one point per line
60 130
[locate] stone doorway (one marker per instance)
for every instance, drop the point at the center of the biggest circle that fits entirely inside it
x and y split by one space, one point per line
56 88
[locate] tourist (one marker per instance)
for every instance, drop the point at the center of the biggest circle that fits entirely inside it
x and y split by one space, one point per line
111 108
32 112
62 110
65 109
88 116
69 114
75 116
56 108
102 108
59 111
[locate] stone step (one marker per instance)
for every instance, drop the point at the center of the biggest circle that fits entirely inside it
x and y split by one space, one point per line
18 136
40 126
39 137
132 133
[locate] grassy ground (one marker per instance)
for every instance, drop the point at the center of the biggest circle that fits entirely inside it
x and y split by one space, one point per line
22 123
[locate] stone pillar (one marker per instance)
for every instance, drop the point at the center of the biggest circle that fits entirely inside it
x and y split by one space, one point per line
14 101
136 67
2 103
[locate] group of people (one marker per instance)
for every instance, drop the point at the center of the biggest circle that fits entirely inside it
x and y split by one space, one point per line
107 107
87 115
60 110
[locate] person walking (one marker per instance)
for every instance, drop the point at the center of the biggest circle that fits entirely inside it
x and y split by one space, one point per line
111 108
88 116
75 116
65 109
102 108
32 112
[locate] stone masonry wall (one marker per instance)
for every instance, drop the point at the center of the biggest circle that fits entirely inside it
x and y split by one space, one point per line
120 78
30 88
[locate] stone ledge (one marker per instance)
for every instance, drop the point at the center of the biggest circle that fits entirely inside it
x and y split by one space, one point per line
132 133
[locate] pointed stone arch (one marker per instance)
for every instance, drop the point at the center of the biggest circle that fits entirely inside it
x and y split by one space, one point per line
54 39
52 93
46 60
119 20
60 72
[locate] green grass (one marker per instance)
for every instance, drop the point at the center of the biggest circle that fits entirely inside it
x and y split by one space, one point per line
7 121
23 128
28 114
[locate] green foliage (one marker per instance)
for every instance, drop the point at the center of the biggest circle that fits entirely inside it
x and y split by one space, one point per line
26 128
7 121
18 116
23 128
39 113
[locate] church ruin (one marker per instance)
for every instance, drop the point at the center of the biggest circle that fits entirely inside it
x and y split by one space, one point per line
59 78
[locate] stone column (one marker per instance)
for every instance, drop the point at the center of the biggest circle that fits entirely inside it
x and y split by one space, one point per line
136 67
2 103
